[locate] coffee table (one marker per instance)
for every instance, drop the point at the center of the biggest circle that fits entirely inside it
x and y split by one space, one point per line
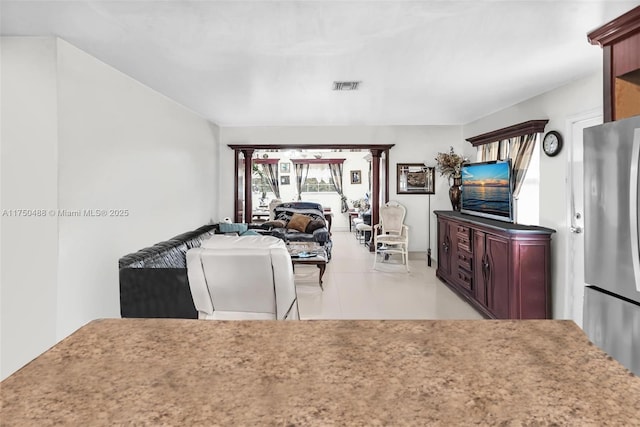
308 253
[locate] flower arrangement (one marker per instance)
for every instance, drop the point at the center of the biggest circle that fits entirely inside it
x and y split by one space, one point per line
360 204
450 163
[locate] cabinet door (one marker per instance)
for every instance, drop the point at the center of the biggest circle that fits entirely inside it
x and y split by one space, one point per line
444 249
497 272
479 278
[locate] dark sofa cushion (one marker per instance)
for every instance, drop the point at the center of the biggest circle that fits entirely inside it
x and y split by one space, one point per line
174 249
156 292
276 223
314 225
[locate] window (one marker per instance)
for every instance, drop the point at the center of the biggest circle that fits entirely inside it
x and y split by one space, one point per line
318 179
528 203
260 187
259 180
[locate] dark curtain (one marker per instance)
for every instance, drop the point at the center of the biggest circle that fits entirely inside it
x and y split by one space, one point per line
336 173
302 170
271 172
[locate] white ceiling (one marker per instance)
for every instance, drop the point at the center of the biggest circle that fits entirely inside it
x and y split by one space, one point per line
247 63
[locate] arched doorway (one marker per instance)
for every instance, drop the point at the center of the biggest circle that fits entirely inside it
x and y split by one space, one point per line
243 168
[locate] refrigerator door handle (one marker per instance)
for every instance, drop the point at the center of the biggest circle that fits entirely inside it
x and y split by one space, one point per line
633 207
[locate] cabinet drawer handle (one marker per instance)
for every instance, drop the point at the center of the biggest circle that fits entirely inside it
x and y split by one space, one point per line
486 269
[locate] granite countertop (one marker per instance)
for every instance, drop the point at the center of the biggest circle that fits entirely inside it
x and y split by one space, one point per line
194 372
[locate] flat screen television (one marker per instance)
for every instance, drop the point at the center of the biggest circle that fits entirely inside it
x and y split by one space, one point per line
486 190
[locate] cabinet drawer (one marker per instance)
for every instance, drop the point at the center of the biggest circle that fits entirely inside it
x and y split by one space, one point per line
464 244
463 231
465 260
464 279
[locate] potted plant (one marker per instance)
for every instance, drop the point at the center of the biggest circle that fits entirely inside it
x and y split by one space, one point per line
360 204
449 165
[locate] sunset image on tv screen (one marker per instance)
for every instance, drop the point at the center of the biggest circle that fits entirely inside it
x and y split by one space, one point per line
486 189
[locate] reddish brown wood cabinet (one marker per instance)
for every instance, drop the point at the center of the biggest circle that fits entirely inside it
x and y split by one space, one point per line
620 40
502 269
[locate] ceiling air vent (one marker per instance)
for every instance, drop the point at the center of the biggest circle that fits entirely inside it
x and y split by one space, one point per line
346 85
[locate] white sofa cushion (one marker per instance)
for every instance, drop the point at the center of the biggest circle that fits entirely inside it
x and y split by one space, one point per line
245 277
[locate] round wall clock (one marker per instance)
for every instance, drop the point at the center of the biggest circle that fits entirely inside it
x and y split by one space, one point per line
552 143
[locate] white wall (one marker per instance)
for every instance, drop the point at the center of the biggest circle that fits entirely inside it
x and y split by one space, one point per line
29 181
120 146
413 144
558 106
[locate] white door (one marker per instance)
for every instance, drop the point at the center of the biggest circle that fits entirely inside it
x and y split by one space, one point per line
575 209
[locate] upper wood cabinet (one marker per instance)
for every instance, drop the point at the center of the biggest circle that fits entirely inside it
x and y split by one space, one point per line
620 40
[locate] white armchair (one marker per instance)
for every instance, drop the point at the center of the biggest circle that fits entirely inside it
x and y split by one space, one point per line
242 278
391 235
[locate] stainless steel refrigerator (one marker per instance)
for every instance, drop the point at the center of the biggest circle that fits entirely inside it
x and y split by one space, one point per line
612 258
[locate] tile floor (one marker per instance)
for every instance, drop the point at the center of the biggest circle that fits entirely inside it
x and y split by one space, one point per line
353 290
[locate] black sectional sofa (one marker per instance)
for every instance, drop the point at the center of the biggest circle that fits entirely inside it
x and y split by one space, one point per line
153 281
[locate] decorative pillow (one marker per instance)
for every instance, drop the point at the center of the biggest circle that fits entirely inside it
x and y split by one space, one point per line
283 216
250 233
314 225
299 222
276 223
232 228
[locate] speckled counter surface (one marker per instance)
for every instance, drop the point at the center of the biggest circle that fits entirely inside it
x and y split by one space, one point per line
190 372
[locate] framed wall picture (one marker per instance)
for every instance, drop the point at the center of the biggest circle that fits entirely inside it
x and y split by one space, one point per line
285 167
416 178
356 177
284 180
